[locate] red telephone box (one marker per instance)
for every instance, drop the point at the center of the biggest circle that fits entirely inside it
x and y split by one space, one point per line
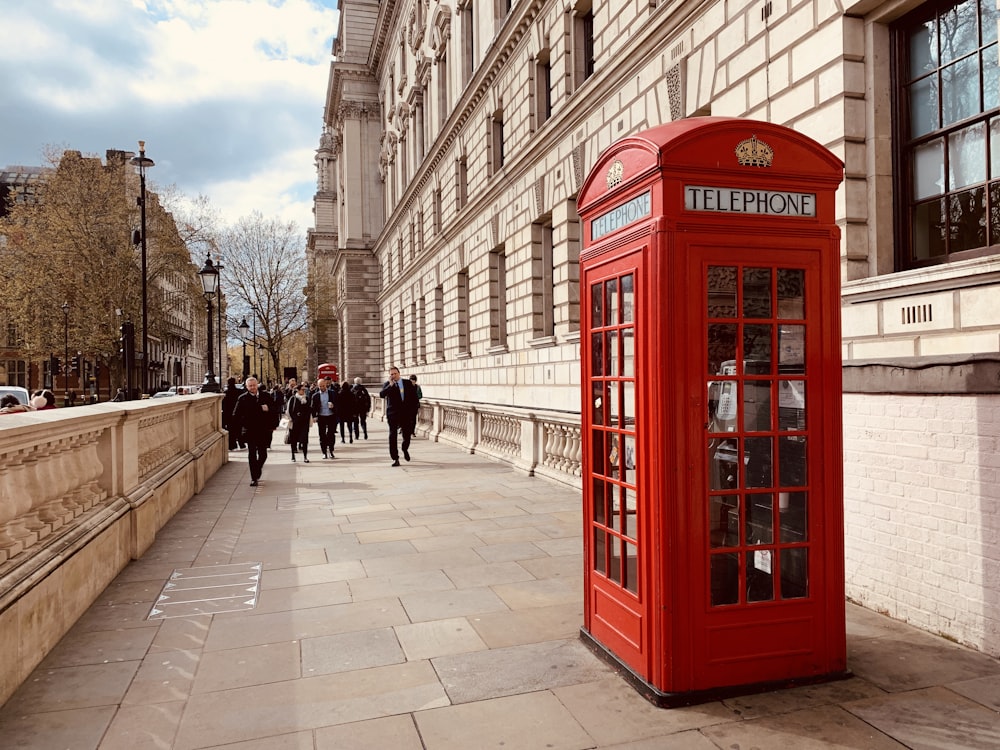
329 372
710 346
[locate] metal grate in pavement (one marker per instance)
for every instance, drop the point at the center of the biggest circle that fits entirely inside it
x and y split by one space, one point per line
208 590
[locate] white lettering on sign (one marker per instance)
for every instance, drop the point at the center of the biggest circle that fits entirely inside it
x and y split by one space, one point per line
621 215
743 201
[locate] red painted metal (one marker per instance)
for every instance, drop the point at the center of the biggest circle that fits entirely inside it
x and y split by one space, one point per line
710 349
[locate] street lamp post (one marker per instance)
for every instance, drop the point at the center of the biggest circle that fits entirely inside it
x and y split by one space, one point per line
209 284
244 329
256 358
65 366
218 312
143 163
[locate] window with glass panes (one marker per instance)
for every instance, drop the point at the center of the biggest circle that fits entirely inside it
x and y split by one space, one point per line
948 128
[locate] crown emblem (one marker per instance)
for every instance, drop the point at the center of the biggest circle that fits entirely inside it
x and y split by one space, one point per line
615 172
754 153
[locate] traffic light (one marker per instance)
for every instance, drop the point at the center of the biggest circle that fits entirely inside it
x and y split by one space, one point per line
75 363
55 366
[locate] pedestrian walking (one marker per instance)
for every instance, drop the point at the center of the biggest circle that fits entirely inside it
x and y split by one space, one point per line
400 412
256 417
229 399
324 411
363 405
346 407
300 420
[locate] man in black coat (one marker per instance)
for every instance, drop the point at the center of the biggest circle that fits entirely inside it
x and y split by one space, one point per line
400 411
256 416
323 404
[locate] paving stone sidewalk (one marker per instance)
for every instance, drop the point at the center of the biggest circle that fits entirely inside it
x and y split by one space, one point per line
344 604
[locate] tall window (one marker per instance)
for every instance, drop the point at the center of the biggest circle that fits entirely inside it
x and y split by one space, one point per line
420 320
468 42
461 182
542 301
948 133
498 298
462 308
497 156
442 89
583 42
437 312
542 88
437 211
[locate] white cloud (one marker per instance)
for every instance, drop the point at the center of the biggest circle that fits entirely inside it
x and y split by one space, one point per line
228 94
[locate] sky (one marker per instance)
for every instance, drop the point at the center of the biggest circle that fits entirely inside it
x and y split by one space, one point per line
227 94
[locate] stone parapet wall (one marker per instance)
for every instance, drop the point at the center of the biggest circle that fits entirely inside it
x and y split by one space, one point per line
82 492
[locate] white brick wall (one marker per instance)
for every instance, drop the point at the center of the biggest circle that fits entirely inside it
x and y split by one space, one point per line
922 511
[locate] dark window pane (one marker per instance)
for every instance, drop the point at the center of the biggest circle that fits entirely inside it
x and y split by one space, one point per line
631 514
628 299
791 293
600 501
760 519
757 292
611 302
923 49
792 461
628 459
721 346
967 220
759 462
928 230
757 405
794 573
723 521
995 213
791 405
596 306
631 568
721 292
597 354
723 464
615 563
725 578
599 403
924 106
614 407
793 509
760 581
600 551
757 349
791 349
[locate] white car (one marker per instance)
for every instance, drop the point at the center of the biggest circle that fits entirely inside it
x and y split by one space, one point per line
21 394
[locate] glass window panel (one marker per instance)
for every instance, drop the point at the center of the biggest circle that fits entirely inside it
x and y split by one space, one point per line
760 580
628 352
614 455
967 219
628 404
991 76
960 90
928 230
600 501
596 305
923 49
967 156
757 292
600 551
723 464
791 349
793 508
759 462
614 357
792 461
791 293
989 15
631 514
995 213
723 521
928 170
631 568
757 349
614 405
597 452
615 564
722 348
959 30
725 578
795 573
760 519
757 405
597 354
599 402
721 292
628 299
791 405
628 460
924 106
611 302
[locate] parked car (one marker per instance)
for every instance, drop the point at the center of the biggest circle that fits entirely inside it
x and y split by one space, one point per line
21 394
163 394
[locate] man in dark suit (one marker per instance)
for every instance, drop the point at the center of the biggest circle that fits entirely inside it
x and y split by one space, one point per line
400 411
256 417
324 410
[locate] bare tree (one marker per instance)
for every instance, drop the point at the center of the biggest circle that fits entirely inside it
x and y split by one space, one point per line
264 275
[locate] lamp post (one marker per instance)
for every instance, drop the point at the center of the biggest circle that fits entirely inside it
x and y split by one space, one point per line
244 329
209 284
256 358
65 309
218 312
143 163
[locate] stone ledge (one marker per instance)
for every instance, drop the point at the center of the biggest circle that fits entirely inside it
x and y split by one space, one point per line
954 374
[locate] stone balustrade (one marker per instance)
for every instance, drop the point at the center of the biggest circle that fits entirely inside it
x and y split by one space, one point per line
82 492
543 443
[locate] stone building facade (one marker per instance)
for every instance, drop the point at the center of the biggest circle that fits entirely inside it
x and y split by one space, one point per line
457 134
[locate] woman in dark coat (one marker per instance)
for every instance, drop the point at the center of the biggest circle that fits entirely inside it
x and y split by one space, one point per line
346 406
300 421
